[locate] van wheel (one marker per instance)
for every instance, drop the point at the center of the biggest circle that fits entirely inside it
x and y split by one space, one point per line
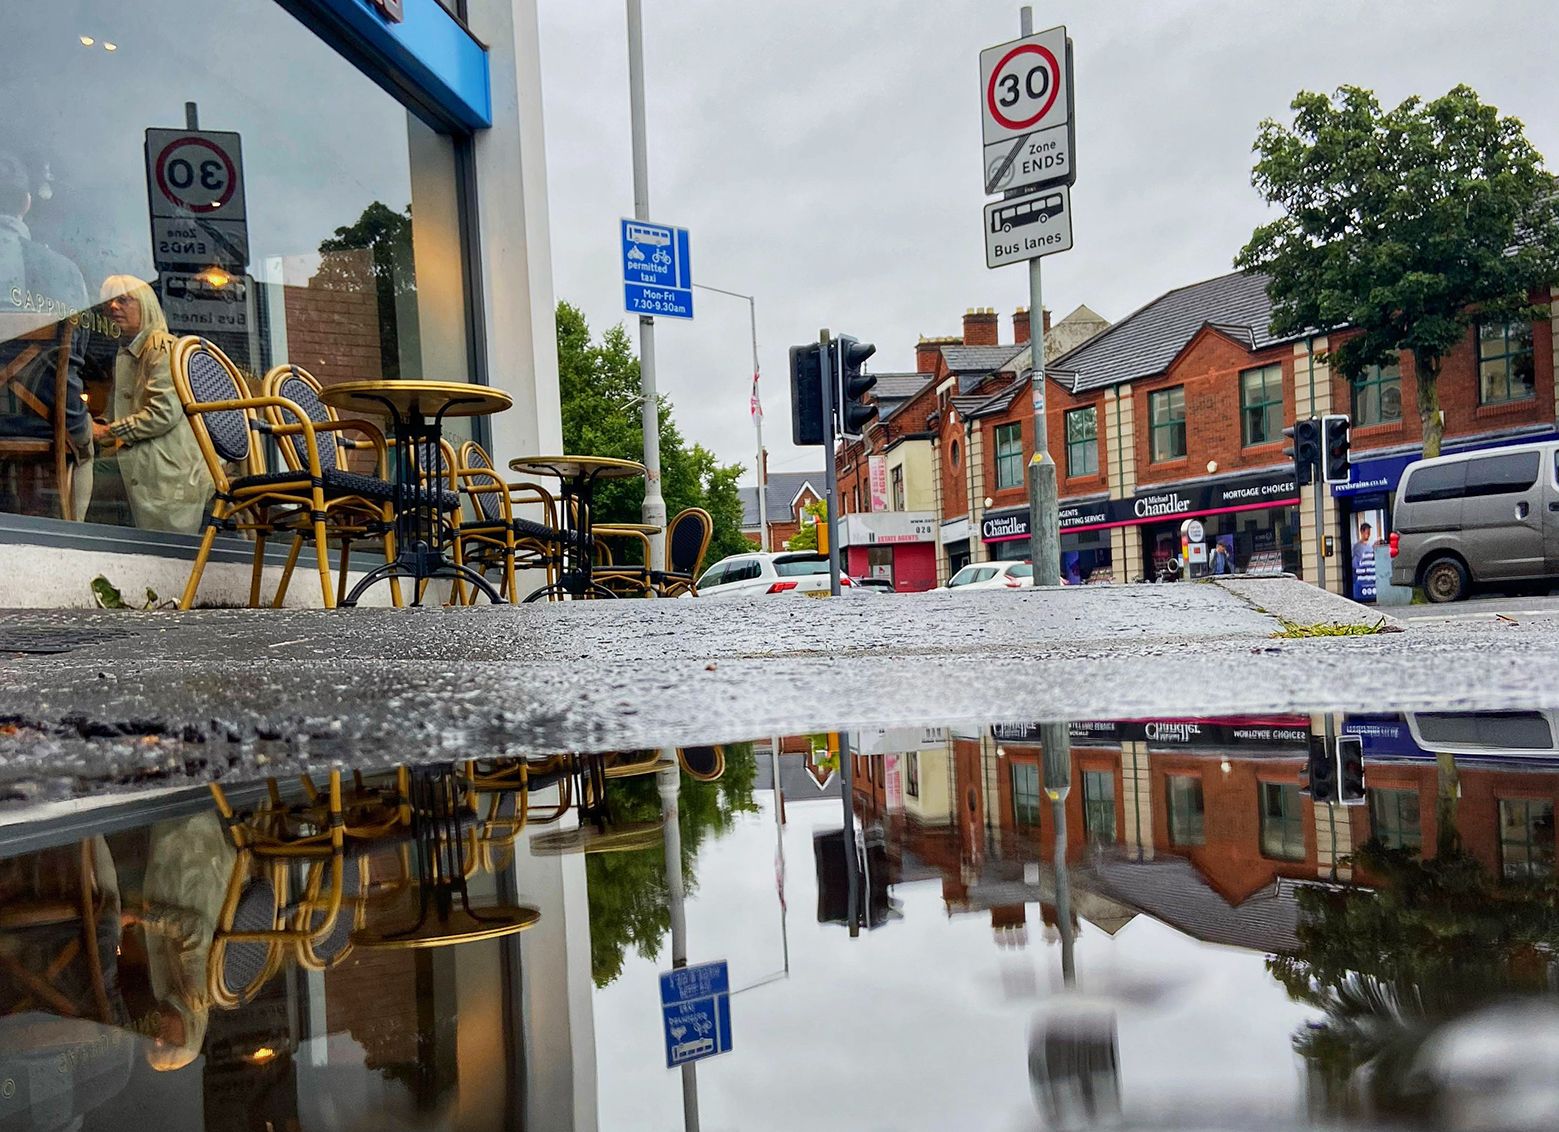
1445 579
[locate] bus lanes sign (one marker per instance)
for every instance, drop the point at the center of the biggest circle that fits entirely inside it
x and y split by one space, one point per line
1025 227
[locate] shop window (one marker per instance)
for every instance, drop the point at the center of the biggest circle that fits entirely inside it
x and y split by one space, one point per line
1394 820
1186 810
1261 404
912 774
1282 822
1099 806
1082 442
1526 838
1377 395
1009 455
282 234
896 478
1025 795
1505 363
1166 417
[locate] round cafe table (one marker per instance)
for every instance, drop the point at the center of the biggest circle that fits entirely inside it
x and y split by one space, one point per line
417 410
578 476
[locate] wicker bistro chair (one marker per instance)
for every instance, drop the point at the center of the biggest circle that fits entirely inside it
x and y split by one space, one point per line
687 541
45 436
316 497
290 384
498 537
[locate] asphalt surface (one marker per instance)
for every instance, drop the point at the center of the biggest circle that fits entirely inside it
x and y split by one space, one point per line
1482 608
91 701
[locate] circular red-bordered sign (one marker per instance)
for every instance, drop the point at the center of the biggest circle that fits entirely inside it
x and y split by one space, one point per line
192 197
1055 86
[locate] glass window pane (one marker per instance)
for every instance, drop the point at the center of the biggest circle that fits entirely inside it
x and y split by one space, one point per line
1502 475
1282 827
1025 795
1394 819
1526 838
1437 481
1186 810
1099 805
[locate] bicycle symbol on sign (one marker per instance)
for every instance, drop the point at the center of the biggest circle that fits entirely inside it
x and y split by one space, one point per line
661 256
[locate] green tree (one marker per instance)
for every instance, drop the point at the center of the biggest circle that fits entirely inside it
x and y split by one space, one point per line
627 891
386 236
598 384
1406 225
806 537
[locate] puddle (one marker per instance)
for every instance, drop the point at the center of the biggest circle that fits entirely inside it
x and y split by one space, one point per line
1103 923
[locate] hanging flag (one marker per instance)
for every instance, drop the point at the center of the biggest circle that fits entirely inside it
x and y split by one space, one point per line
754 405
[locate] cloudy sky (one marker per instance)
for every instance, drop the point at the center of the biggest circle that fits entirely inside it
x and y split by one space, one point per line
826 157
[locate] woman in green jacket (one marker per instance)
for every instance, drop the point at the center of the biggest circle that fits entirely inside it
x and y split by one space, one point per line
164 473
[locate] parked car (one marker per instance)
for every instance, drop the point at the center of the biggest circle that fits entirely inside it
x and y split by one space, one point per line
874 585
1489 517
993 576
760 575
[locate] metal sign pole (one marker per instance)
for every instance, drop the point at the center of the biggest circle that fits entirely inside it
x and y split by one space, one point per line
831 472
654 510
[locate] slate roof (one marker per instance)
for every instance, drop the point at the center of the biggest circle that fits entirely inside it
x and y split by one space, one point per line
972 363
1072 331
1171 890
1145 342
895 390
783 488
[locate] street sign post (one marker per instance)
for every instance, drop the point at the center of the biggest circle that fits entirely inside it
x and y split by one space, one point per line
1028 226
657 276
195 184
1026 100
695 1006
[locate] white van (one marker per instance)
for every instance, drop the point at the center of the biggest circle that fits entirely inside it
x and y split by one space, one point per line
1477 518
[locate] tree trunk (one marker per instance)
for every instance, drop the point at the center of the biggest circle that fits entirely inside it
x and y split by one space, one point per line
1426 367
1448 838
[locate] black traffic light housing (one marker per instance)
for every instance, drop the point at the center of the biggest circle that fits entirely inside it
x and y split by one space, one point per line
806 394
854 412
1322 770
1334 448
1350 770
1305 449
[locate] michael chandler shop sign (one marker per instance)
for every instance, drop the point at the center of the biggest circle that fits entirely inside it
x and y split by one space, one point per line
1275 488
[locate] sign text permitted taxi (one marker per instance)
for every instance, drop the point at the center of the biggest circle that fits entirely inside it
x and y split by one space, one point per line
1025 227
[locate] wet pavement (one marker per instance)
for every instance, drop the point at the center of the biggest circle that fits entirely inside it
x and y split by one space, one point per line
1113 922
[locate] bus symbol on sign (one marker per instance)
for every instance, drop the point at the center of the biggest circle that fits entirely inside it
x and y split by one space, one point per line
1029 226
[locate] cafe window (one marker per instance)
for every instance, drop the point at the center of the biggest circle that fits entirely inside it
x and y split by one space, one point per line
897 480
1261 404
1505 363
1099 806
1025 795
1526 838
1082 442
1394 820
1009 455
1282 822
1166 419
1186 809
1377 395
280 232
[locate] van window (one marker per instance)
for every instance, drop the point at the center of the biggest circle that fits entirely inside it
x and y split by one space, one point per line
1501 475
1438 481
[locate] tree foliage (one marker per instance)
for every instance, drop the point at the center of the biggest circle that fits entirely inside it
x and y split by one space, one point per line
599 386
627 891
806 537
1405 224
386 236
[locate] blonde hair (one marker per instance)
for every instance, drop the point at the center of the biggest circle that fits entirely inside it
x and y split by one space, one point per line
153 321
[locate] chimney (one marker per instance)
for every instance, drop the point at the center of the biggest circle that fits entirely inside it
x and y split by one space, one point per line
980 326
926 352
1020 326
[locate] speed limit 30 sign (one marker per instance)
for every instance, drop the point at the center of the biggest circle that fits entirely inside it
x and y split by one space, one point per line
1026 97
195 189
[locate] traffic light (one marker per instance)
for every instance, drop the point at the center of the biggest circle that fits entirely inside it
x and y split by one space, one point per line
1323 771
806 394
1334 448
1304 449
1350 770
854 413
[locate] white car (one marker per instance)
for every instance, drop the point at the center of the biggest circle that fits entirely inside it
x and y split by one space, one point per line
759 575
993 576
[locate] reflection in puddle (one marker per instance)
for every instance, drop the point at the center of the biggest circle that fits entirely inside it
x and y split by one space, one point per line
1064 925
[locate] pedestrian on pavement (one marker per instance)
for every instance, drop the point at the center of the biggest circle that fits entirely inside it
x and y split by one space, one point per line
1218 562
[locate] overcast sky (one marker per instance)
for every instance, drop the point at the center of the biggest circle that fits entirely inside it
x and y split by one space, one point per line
826 157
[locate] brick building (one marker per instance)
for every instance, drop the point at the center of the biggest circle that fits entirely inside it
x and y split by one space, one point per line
788 493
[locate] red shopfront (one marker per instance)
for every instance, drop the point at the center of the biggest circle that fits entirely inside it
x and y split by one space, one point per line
899 546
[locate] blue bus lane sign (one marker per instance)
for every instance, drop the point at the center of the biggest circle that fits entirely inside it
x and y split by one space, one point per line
695 1007
657 271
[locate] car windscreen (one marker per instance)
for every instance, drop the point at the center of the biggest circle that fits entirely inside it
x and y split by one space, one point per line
800 565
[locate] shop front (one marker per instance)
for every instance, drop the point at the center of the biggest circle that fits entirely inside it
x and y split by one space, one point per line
1085 543
310 200
896 546
955 543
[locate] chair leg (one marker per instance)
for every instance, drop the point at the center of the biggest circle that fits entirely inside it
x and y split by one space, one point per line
63 481
258 569
322 556
511 580
387 516
346 556
206 539
286 574
457 590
